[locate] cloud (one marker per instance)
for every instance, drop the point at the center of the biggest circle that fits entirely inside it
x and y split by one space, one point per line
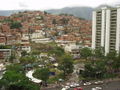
23 5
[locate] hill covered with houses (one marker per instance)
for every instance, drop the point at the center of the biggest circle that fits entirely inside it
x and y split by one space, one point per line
40 27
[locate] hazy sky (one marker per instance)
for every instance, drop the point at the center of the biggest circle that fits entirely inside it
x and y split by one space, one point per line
50 4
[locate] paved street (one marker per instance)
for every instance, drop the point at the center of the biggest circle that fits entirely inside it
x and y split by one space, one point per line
114 85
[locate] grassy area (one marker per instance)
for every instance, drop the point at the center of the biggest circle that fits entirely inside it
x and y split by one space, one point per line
80 61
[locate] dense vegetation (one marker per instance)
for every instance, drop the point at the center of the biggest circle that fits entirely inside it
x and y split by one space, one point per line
14 79
100 66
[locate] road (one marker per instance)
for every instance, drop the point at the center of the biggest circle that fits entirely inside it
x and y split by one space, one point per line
114 85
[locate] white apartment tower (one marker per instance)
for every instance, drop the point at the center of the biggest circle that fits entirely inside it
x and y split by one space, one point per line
106 29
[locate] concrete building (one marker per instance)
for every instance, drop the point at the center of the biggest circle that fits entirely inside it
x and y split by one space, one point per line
106 29
5 53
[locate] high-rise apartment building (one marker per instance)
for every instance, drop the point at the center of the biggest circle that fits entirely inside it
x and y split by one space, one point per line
106 29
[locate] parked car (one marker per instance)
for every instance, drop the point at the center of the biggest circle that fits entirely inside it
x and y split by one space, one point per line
97 88
98 82
87 83
72 85
77 84
67 87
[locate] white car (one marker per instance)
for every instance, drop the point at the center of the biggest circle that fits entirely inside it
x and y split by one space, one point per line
93 89
98 88
63 89
87 83
77 85
72 85
99 82
67 87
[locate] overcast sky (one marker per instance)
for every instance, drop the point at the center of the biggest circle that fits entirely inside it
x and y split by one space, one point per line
50 4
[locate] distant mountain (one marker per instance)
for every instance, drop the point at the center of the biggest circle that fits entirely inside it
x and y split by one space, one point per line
82 12
8 12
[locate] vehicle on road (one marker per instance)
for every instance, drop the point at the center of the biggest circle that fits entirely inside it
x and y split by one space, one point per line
87 83
98 82
97 88
79 88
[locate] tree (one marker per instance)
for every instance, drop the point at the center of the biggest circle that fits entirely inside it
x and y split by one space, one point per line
15 25
15 67
42 73
24 53
58 51
36 52
85 52
45 12
5 47
111 55
64 20
116 65
54 21
15 79
94 70
27 59
66 64
99 53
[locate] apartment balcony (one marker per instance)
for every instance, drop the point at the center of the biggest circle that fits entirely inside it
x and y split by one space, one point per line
113 28
99 26
98 45
112 47
98 31
99 13
98 35
98 16
113 34
112 31
113 25
98 42
113 37
113 22
113 15
99 20
113 19
112 44
114 11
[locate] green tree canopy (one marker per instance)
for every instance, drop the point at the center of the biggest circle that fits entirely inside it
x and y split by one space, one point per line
24 53
99 53
57 51
15 25
27 59
94 70
15 67
15 79
42 73
111 55
5 47
66 64
85 52
54 21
